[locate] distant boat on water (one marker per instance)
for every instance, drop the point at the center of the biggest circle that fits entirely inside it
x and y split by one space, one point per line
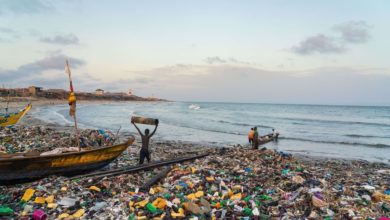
194 107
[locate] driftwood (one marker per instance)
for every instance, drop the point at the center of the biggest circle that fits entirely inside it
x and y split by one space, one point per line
134 169
155 179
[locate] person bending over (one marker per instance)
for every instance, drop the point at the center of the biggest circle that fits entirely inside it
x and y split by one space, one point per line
145 143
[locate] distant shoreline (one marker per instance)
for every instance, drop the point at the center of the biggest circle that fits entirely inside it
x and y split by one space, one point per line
19 102
38 93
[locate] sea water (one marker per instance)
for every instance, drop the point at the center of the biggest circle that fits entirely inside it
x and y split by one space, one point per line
357 132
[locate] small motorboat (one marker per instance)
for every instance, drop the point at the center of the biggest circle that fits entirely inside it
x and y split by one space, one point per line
194 107
268 138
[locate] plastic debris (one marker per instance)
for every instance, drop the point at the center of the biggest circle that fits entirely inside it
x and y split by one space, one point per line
5 211
79 213
67 202
39 200
28 194
63 215
42 139
94 188
98 206
236 183
151 208
49 199
160 203
52 205
39 215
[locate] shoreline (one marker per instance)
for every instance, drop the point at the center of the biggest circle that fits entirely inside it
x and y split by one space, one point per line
45 102
31 120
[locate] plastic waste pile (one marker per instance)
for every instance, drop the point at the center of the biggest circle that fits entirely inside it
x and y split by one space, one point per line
41 139
247 184
231 183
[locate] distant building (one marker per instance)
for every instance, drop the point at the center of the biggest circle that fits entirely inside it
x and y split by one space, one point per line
4 92
55 93
130 92
34 90
99 91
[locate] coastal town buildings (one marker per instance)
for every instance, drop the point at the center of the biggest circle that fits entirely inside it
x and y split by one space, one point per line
99 92
36 92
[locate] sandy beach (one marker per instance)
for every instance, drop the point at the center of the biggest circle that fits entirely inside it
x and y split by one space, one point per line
231 183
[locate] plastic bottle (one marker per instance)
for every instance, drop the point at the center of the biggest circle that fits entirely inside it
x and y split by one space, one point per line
6 211
151 208
39 215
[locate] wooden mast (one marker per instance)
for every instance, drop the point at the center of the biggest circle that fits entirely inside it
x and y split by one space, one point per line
72 103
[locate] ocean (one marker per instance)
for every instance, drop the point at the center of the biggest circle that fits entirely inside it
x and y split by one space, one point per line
353 132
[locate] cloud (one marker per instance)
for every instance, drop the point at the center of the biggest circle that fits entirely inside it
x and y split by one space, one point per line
34 69
7 30
8 34
352 32
225 82
24 6
66 39
318 44
219 60
125 84
213 60
48 72
238 83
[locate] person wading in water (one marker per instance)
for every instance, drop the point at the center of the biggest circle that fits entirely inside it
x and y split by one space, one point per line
145 143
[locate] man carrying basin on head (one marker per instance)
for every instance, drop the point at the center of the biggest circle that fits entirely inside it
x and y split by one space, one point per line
144 153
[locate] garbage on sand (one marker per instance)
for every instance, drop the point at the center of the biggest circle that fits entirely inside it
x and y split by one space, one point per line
20 139
232 182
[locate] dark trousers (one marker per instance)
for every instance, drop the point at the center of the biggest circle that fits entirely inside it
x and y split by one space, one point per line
255 144
142 154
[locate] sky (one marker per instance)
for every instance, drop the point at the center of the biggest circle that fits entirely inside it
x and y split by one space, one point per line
280 51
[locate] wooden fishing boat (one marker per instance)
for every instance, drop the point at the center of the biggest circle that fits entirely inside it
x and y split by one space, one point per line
26 167
268 138
13 118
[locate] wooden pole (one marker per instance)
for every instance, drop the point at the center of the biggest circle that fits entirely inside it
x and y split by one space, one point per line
76 132
133 169
74 114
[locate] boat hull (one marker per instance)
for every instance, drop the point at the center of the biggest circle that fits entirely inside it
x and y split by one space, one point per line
13 118
34 167
268 138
